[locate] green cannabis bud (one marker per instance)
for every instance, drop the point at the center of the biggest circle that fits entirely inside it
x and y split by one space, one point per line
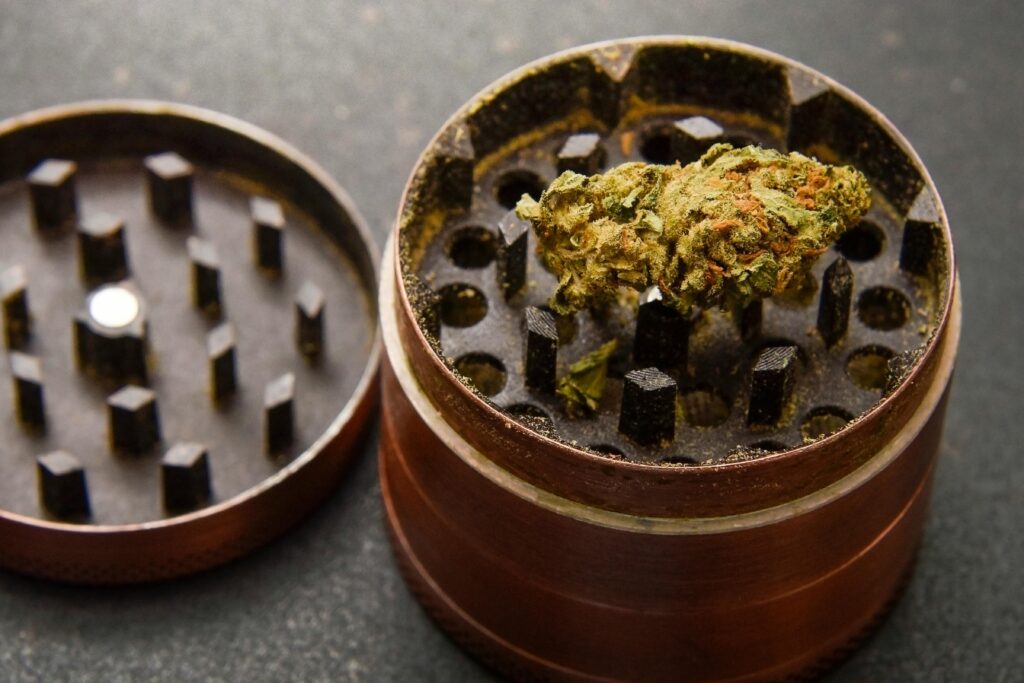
735 226
582 387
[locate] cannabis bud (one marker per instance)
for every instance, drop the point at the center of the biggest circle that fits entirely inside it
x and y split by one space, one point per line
733 227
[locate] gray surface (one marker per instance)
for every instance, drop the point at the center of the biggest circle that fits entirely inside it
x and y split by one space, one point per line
362 87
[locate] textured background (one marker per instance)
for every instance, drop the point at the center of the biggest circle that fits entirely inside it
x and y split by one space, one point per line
362 87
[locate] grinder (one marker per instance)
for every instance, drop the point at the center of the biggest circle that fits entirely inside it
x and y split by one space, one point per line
191 338
747 495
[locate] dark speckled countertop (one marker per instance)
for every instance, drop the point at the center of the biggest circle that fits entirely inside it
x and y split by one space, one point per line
362 86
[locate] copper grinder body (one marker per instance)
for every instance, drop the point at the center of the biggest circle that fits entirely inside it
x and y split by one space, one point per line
551 562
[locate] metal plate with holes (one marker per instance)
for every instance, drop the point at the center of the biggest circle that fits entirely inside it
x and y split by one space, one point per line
843 364
191 333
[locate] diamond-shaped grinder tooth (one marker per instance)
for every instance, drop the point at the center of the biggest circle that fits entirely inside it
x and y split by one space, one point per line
662 333
541 348
185 477
279 413
582 153
17 318
27 375
512 253
63 490
221 358
692 136
268 234
133 420
749 320
309 320
206 275
169 184
102 250
834 302
648 411
771 384
51 186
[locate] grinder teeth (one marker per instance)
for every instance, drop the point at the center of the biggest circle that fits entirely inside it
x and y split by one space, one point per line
115 347
740 385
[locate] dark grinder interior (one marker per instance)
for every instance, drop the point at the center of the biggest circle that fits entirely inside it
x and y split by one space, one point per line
181 326
717 386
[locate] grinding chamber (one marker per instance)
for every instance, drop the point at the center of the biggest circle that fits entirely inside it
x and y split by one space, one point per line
750 494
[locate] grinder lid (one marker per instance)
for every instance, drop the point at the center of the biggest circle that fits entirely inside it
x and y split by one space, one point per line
191 327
